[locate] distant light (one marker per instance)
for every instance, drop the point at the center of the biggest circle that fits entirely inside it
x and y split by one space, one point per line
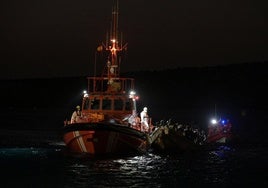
113 40
84 91
223 121
214 121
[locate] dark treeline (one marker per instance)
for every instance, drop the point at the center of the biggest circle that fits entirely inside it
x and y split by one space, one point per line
237 92
183 94
242 85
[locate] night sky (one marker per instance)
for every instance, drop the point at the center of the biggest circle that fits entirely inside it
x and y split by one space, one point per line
58 38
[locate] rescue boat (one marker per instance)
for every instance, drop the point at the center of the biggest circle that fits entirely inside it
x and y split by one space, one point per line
109 122
219 131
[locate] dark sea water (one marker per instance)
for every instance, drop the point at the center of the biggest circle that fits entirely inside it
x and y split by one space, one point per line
38 158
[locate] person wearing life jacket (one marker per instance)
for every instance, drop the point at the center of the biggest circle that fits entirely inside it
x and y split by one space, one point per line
145 119
76 115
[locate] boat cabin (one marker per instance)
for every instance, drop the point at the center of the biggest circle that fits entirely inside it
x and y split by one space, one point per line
108 99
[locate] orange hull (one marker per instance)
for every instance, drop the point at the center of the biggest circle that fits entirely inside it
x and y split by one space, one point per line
108 121
219 137
98 138
219 133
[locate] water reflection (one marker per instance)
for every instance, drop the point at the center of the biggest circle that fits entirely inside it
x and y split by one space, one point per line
50 167
209 167
133 171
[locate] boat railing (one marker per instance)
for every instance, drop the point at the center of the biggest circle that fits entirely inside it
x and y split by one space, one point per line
110 85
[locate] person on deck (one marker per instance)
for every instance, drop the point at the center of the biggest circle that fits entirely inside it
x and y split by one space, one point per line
145 119
76 115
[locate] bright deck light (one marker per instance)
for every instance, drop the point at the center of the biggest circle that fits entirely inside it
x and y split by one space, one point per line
213 121
85 93
132 95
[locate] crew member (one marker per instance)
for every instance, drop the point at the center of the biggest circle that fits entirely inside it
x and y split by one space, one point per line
145 118
76 115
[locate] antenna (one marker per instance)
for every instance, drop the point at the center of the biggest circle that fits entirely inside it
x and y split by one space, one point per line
215 110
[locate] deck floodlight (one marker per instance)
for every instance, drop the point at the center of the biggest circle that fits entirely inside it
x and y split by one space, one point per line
213 121
85 93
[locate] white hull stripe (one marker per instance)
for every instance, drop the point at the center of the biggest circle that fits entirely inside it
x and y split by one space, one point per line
80 141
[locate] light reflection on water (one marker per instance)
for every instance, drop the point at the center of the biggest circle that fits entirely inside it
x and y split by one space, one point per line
50 167
153 170
133 171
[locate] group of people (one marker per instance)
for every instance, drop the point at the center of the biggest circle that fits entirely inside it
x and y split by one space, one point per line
196 135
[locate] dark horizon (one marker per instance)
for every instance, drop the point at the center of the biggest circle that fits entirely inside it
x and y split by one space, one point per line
90 73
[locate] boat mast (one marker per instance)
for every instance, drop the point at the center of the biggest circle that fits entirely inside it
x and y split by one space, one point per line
113 48
110 80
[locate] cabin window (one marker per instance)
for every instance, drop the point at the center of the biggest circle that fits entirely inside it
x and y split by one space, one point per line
106 104
128 105
86 104
118 104
95 104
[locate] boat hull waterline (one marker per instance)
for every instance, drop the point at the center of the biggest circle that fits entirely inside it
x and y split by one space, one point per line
101 138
